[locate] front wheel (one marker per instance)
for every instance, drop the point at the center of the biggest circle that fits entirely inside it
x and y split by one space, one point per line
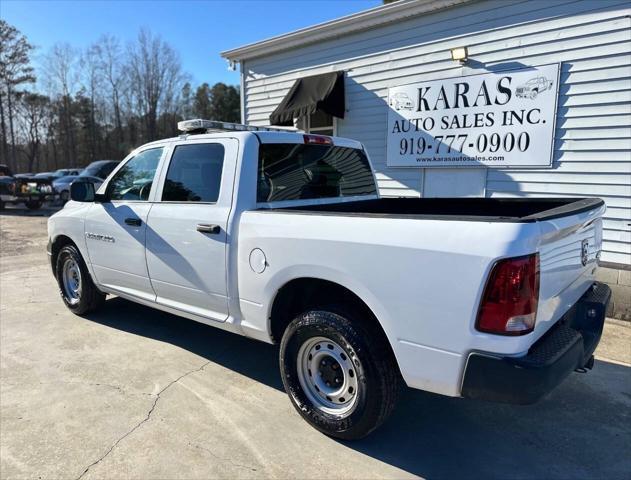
340 376
33 204
75 285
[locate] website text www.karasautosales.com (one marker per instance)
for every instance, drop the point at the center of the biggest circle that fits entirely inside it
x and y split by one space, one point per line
462 158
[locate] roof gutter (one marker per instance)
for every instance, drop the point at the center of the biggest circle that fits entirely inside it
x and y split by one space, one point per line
356 22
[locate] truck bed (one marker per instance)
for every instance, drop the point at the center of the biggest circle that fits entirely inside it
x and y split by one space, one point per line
520 210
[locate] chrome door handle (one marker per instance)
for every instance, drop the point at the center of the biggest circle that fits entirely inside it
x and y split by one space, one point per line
134 222
208 228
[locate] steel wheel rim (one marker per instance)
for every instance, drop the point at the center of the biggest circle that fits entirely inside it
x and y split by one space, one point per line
71 280
328 376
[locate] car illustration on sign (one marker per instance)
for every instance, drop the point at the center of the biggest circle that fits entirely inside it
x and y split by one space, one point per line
533 87
400 101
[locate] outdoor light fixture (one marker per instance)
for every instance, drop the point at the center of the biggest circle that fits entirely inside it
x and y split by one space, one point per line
232 65
460 54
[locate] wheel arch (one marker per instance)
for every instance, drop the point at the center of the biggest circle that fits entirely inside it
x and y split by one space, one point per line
59 242
303 293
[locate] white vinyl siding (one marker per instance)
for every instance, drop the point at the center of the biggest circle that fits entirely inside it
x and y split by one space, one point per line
590 38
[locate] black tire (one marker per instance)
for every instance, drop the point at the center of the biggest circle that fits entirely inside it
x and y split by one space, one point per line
378 377
90 298
33 204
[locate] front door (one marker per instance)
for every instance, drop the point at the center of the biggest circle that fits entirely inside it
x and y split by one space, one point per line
115 230
186 228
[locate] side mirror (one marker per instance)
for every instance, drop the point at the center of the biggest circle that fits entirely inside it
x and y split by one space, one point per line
82 191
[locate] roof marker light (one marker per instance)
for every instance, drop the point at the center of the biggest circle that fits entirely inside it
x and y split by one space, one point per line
318 140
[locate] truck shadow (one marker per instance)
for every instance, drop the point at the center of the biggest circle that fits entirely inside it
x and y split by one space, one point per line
581 430
248 357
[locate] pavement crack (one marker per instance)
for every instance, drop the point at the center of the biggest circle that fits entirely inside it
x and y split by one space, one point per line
143 421
118 389
222 459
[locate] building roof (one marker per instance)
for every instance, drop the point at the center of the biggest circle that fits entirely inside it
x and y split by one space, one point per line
356 22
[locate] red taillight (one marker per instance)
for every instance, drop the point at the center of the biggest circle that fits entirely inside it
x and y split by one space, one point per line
318 140
509 303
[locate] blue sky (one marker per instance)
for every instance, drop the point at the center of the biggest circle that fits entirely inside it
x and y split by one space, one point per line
197 29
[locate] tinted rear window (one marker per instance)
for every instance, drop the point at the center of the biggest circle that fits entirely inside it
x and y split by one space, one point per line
301 172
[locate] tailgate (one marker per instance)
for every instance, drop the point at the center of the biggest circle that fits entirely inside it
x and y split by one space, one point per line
569 249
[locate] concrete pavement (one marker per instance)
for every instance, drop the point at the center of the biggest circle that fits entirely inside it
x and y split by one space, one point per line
131 392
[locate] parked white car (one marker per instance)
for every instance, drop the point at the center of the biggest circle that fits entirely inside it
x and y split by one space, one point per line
283 237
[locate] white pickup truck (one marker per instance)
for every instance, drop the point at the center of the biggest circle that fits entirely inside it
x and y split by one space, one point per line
282 237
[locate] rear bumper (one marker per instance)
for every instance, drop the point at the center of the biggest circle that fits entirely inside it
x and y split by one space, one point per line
567 346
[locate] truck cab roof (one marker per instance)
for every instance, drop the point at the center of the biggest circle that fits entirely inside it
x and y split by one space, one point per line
200 129
264 137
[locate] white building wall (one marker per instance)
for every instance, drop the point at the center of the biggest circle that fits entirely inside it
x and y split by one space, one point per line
592 40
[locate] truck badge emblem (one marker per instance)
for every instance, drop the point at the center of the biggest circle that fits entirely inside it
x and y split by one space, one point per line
584 252
96 236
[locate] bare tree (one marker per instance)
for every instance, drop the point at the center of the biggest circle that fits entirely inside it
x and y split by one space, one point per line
110 55
15 70
91 79
156 77
99 102
186 104
33 110
61 74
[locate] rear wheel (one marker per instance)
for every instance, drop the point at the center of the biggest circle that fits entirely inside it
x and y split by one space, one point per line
33 204
75 285
340 376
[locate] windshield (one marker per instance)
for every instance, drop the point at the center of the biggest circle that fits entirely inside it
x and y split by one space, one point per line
99 169
301 172
65 179
90 171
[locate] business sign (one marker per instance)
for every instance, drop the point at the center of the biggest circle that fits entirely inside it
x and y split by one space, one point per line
503 119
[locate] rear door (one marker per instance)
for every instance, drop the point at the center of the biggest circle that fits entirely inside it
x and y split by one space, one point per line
186 229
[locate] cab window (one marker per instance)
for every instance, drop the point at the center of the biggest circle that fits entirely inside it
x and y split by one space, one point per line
194 173
133 181
305 172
